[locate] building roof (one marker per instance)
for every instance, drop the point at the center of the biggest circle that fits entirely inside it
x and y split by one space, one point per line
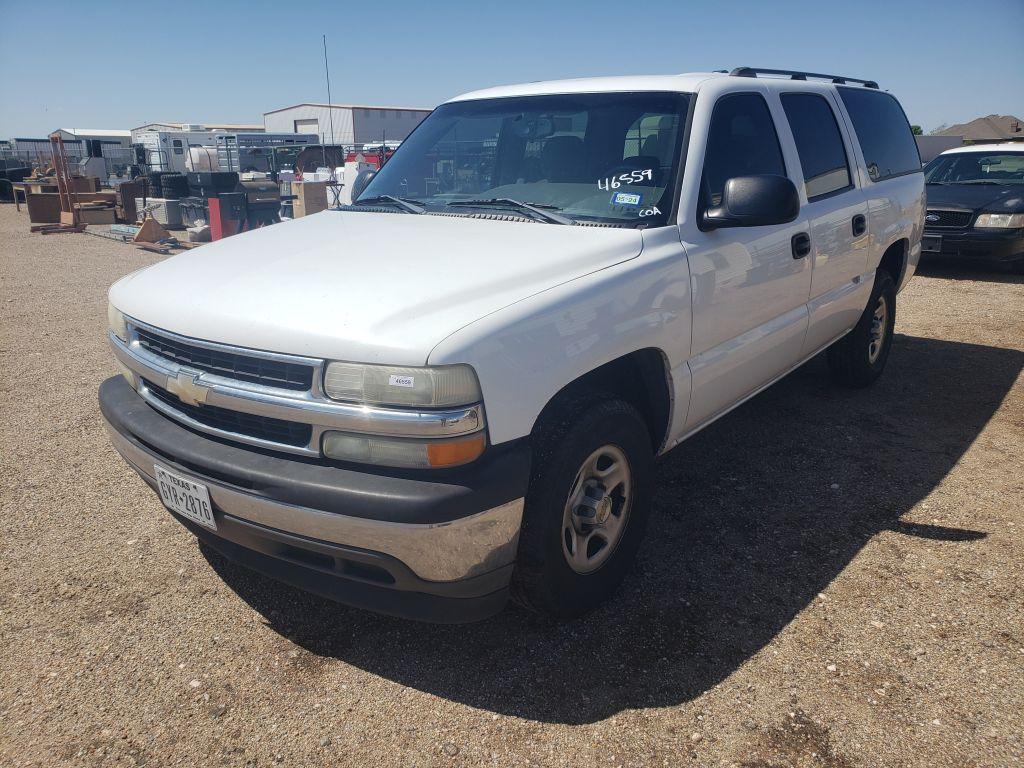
348 106
989 128
96 132
254 127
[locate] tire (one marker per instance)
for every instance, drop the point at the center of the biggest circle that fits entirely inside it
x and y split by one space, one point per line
544 579
859 358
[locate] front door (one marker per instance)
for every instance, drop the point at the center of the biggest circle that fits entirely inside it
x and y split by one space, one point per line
750 288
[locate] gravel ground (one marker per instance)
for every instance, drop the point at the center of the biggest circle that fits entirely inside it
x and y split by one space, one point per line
832 578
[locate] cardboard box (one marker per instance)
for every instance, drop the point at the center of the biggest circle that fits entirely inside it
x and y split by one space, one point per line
43 207
84 184
96 215
310 198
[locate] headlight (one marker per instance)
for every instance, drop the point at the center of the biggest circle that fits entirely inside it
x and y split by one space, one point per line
115 321
434 387
403 452
1000 221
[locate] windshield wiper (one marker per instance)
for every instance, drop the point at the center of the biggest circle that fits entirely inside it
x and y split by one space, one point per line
537 209
405 203
980 181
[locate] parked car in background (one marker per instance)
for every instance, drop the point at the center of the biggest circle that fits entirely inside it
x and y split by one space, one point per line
976 205
454 389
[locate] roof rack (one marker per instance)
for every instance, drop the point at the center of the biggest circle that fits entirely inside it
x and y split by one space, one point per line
796 75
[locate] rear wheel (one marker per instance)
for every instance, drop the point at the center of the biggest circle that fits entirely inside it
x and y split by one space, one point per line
587 506
859 358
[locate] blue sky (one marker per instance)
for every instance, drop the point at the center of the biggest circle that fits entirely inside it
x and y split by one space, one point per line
123 64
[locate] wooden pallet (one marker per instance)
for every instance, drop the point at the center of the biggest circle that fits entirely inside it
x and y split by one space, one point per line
54 229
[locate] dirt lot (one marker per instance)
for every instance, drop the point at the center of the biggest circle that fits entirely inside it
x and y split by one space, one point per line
832 578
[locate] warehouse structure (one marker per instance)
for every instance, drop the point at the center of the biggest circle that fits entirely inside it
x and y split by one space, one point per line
346 124
194 127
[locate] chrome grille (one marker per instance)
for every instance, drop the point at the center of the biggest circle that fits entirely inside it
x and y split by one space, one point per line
947 219
231 365
257 427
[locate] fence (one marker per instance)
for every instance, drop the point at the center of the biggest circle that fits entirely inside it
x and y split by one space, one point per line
116 159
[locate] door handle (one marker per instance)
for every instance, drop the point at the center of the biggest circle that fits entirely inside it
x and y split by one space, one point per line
801 245
860 225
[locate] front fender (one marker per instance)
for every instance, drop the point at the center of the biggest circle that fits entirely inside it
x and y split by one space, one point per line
527 352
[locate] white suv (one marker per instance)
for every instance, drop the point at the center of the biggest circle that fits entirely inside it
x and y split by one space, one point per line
454 389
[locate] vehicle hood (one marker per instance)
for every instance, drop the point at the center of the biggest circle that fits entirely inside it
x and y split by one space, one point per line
362 286
998 199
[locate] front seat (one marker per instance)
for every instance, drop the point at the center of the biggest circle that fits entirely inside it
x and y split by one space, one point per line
562 158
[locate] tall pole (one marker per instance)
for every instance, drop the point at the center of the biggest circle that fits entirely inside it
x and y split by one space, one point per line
330 109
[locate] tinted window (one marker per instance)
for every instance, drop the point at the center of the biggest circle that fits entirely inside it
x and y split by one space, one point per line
741 142
818 142
883 132
976 168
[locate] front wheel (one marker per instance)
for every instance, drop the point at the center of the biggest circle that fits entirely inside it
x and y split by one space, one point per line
858 358
587 506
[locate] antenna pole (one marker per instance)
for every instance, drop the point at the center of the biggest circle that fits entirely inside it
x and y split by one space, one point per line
330 109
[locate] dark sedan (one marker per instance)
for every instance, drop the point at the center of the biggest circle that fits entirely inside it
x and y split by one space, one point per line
976 206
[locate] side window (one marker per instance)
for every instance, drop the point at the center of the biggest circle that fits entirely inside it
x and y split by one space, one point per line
178 149
741 142
883 132
818 143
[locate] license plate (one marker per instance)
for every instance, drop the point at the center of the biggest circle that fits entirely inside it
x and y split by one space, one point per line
186 497
931 243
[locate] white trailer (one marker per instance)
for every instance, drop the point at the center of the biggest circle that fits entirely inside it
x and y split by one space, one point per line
169 150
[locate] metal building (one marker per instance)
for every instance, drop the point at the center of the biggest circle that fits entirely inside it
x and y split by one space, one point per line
138 133
353 124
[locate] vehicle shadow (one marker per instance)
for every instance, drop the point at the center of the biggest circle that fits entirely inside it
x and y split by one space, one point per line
967 270
753 518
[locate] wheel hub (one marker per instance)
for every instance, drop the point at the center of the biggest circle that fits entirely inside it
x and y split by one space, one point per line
594 507
596 510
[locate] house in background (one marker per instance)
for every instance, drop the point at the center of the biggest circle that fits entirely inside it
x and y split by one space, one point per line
992 129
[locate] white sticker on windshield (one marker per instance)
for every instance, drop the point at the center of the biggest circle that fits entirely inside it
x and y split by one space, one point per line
633 177
626 198
401 381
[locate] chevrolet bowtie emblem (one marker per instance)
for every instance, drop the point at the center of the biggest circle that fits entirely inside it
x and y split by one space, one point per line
188 389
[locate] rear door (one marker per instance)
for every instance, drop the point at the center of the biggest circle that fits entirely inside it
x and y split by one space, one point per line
837 211
749 289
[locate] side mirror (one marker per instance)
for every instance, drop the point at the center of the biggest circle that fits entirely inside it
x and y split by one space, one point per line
754 201
362 180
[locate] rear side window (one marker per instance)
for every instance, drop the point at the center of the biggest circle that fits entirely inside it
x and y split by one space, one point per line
818 142
883 132
741 142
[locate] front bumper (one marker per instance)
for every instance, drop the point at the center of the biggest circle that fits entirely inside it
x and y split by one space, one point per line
439 548
982 245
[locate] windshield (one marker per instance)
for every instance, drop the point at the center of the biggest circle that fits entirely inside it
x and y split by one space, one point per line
608 157
976 168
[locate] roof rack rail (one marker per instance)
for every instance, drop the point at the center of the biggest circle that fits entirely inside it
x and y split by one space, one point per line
796 75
